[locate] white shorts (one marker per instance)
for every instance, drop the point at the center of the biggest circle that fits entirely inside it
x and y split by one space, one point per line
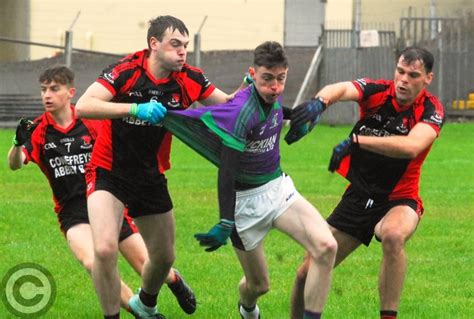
257 208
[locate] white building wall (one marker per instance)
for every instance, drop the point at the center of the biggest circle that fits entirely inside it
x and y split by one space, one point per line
120 26
303 22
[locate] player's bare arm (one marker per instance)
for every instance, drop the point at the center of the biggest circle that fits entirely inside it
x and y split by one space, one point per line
342 91
217 97
410 146
16 157
95 103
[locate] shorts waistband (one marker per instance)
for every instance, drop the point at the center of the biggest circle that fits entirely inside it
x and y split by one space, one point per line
260 189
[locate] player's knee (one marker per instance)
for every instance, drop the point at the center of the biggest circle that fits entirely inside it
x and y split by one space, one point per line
393 240
325 251
260 287
106 252
164 259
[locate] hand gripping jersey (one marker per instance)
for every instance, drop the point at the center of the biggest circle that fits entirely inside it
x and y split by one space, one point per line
62 155
131 148
377 175
240 124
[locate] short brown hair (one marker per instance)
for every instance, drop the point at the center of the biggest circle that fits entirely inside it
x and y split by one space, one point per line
270 54
60 74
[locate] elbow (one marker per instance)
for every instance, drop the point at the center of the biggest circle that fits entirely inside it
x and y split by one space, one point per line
412 152
79 109
14 166
411 155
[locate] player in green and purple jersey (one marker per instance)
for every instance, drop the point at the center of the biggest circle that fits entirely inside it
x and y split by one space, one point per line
242 137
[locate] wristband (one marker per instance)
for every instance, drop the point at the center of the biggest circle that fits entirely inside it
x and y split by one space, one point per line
133 109
355 139
324 102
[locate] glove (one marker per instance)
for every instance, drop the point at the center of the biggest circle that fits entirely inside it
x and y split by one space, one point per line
309 111
247 79
296 132
341 150
217 236
152 112
304 118
23 131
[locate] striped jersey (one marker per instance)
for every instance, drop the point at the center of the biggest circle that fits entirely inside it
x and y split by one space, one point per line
377 175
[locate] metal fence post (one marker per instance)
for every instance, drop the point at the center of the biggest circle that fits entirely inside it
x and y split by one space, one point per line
197 50
197 45
68 48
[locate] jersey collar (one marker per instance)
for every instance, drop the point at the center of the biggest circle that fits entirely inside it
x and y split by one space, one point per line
50 120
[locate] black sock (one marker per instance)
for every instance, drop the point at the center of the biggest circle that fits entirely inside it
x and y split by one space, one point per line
117 316
147 299
311 315
388 314
249 309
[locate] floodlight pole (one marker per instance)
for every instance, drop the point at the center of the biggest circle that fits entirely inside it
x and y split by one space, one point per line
68 42
197 45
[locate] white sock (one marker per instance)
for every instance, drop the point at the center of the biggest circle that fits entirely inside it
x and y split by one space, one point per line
250 315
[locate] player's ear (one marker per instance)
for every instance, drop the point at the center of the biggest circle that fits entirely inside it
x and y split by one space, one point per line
429 78
72 92
153 42
252 72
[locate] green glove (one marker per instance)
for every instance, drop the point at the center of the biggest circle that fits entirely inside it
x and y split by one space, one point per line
217 236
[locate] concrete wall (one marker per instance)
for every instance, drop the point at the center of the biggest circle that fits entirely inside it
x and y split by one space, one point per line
14 23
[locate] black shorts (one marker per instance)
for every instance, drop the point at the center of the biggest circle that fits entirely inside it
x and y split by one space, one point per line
140 200
357 215
74 212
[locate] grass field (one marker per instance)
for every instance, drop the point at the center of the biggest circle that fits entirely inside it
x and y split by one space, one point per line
440 279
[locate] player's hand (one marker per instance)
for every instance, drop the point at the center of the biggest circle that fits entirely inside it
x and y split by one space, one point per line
304 118
308 112
296 132
152 112
341 150
217 236
23 132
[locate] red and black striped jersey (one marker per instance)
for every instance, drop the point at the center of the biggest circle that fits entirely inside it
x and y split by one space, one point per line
381 176
132 148
62 154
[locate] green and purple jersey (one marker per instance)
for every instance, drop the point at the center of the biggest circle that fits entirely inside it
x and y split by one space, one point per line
242 124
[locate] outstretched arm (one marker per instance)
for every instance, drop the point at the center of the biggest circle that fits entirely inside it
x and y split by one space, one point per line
219 234
341 91
95 103
410 146
306 115
421 136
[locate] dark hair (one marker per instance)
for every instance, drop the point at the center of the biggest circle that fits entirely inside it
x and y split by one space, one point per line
412 54
270 54
160 24
60 74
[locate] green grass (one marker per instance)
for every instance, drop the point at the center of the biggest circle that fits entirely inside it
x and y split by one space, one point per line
440 279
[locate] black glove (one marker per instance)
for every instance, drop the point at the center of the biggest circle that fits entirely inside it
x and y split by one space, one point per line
341 150
304 118
308 112
23 131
